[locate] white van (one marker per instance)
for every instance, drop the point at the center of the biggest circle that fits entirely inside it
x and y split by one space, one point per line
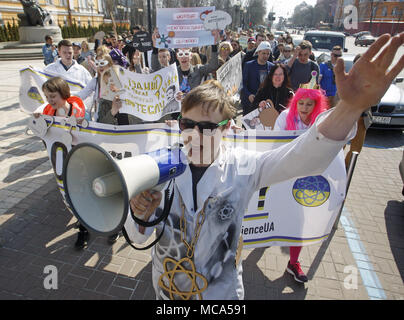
325 40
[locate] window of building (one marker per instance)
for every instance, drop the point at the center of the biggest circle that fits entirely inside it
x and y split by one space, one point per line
384 11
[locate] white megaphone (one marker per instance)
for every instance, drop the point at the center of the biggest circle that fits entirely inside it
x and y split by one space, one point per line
98 187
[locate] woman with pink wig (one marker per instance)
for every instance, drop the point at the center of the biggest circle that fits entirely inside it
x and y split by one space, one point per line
301 113
302 110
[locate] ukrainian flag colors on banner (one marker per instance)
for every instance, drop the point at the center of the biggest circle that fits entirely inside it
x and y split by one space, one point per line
297 212
31 96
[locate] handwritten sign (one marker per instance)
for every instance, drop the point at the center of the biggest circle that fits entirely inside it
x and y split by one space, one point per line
183 27
217 20
150 96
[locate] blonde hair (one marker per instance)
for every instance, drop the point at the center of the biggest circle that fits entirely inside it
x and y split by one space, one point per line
225 43
102 50
195 59
210 96
84 44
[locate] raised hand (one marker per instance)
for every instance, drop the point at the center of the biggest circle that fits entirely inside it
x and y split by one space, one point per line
369 78
363 86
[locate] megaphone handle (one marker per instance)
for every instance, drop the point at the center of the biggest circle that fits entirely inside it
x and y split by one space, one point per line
168 201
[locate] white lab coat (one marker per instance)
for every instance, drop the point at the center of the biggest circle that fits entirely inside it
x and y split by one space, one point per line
76 72
228 185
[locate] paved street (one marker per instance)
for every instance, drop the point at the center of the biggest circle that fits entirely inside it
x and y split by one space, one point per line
364 259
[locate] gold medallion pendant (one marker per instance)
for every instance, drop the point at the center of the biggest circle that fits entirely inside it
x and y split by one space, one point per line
180 268
185 267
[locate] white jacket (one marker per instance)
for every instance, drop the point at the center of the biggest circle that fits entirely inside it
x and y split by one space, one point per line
76 72
228 185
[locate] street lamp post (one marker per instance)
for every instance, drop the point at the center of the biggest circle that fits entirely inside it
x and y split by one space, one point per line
149 16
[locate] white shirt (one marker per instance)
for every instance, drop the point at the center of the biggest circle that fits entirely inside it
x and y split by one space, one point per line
280 123
227 186
76 72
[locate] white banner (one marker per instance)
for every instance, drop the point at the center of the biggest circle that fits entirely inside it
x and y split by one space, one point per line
150 96
230 75
31 96
297 212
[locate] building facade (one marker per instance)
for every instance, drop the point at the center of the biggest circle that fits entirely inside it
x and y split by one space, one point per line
64 12
380 16
377 16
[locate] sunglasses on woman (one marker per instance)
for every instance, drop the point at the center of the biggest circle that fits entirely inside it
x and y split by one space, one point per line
100 63
203 126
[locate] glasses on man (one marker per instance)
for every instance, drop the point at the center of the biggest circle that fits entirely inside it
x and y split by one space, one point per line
100 63
181 54
205 127
225 48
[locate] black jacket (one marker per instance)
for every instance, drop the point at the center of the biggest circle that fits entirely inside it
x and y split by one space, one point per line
279 96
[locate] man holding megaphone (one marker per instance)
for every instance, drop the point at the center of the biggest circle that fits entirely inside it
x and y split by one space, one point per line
196 256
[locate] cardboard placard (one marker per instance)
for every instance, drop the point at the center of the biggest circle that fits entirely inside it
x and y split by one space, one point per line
142 41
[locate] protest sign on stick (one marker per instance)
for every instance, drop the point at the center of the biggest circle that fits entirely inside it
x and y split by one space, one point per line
183 27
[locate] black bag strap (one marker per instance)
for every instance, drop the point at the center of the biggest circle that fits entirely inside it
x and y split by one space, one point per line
168 201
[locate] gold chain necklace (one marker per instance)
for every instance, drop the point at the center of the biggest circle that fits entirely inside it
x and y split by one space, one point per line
179 268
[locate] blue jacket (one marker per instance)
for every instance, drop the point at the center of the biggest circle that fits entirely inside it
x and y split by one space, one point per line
251 80
48 54
327 82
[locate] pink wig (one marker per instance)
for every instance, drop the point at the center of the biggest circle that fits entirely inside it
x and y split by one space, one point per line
320 106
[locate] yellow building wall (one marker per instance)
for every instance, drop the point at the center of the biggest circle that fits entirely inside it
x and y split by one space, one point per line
379 10
390 6
10 9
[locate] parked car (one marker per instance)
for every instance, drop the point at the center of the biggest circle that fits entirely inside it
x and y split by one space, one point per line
365 40
389 112
361 33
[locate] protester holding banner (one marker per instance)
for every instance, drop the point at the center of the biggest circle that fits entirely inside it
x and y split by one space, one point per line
102 62
160 57
191 76
197 259
137 63
66 66
301 113
61 103
276 87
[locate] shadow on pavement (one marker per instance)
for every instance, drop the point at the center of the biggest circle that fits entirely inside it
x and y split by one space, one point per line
376 138
394 218
258 287
39 231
